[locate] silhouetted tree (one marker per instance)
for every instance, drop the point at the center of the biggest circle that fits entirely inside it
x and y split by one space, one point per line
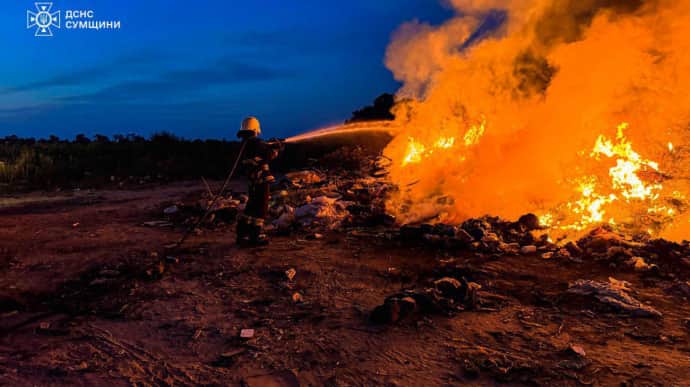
164 138
81 139
11 139
380 110
101 138
135 138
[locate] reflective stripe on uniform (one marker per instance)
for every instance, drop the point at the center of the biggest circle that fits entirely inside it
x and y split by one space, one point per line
246 219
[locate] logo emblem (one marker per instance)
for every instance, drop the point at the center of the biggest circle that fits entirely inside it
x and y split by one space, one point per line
43 19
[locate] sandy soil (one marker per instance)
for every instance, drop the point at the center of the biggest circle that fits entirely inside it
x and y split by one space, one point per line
84 300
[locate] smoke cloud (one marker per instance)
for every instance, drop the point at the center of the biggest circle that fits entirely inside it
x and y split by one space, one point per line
539 88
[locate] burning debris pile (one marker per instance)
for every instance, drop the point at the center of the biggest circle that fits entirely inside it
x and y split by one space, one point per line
576 111
316 201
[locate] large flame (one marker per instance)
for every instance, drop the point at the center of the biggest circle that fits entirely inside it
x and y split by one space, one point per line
515 107
623 193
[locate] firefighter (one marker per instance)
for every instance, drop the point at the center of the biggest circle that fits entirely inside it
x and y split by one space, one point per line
255 165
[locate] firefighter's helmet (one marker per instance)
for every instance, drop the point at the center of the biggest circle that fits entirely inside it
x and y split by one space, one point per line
250 128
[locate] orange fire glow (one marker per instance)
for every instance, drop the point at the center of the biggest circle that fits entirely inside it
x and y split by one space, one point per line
574 110
625 188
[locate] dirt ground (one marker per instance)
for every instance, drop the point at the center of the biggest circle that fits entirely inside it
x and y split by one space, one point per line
85 300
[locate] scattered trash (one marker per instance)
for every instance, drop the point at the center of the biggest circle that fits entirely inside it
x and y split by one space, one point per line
447 294
449 287
301 178
283 214
577 349
157 223
615 294
171 210
463 236
246 333
324 212
156 271
510 248
618 252
285 221
639 264
171 259
531 249
529 222
197 334
573 249
477 228
79 367
290 273
601 239
394 308
563 253
297 298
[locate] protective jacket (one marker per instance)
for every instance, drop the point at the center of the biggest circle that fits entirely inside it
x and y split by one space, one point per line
255 166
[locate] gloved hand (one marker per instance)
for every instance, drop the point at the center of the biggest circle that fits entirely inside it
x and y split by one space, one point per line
277 143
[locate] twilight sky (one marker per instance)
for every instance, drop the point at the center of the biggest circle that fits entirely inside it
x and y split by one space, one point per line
196 68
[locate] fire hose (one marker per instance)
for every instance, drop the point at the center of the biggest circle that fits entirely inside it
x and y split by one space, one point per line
215 198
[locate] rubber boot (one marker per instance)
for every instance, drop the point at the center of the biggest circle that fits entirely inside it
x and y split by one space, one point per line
257 236
242 232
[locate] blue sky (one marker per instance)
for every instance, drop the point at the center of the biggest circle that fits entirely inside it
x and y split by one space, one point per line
195 68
